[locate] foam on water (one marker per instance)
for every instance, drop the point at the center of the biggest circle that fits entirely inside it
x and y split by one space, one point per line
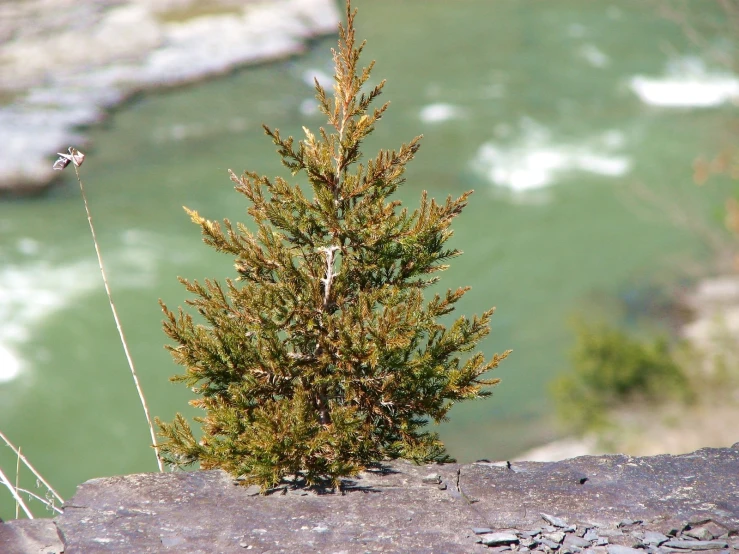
309 106
28 295
10 365
534 160
439 112
32 290
686 83
310 76
179 132
594 55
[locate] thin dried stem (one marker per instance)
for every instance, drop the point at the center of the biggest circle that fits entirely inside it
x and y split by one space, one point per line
44 501
118 324
29 466
17 476
4 480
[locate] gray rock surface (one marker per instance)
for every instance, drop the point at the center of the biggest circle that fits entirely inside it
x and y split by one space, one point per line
63 63
30 536
602 504
696 545
618 549
497 539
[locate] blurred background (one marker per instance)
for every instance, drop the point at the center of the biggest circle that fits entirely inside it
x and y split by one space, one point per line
598 137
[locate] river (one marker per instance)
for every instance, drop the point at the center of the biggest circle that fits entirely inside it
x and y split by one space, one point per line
559 115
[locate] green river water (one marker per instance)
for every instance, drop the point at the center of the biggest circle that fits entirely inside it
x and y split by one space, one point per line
532 104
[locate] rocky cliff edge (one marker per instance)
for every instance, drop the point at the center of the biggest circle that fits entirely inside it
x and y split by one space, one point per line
591 504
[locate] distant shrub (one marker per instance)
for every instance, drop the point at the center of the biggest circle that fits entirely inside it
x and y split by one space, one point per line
611 369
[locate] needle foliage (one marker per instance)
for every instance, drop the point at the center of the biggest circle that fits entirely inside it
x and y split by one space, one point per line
323 356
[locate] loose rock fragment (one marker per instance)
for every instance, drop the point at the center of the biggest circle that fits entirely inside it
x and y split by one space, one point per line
629 522
696 545
552 520
481 530
700 533
549 543
498 539
253 490
557 537
431 479
619 549
716 530
574 540
654 538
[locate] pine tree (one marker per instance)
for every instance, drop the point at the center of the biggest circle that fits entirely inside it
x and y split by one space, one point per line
323 357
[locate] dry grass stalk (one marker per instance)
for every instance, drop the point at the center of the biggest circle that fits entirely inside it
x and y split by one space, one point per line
48 503
17 476
19 501
76 158
51 495
33 470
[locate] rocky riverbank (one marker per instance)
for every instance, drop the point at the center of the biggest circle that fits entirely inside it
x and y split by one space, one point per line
675 428
65 63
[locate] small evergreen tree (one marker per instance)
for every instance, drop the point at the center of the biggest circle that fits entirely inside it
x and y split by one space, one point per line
325 357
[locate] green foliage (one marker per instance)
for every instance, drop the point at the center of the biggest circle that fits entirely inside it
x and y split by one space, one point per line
610 369
323 356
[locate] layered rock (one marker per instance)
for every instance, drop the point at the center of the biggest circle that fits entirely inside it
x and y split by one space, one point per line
592 504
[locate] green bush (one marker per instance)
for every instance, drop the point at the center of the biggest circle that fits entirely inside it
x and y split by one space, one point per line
324 357
611 369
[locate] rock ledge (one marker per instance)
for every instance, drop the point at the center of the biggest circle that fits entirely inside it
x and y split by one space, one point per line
592 504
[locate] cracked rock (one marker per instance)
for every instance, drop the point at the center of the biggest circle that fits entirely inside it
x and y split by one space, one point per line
139 513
